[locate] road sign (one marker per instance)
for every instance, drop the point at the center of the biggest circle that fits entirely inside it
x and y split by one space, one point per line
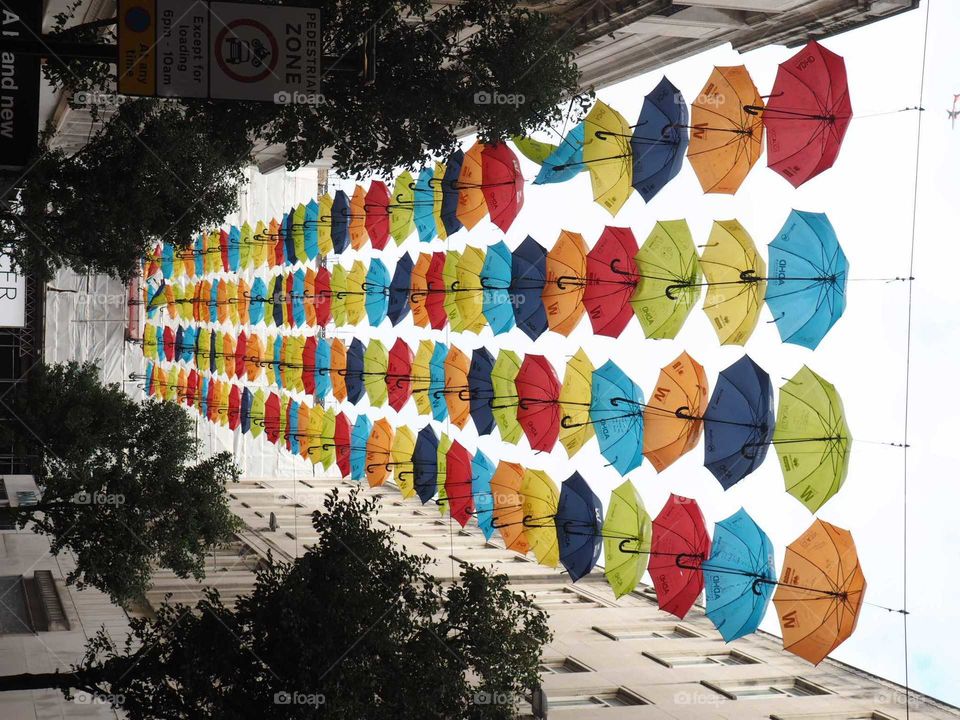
13 293
19 85
222 50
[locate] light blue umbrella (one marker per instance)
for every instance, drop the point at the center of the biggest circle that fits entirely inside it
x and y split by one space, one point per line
483 470
296 299
616 411
322 382
566 161
189 343
214 308
358 447
198 255
258 299
233 249
277 359
377 288
739 576
293 426
495 279
423 206
438 375
806 290
311 219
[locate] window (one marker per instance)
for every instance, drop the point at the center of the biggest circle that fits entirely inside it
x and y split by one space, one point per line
765 690
836 716
647 631
14 614
563 665
559 597
677 632
612 698
703 660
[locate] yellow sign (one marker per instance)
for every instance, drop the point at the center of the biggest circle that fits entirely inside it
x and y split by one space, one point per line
136 66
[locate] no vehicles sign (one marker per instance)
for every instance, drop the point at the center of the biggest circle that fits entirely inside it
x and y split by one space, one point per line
222 50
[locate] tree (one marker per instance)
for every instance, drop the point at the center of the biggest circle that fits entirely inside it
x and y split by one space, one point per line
485 64
355 628
119 483
148 175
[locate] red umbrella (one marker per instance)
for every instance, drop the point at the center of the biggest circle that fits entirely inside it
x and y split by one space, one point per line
611 281
680 544
377 214
169 343
538 410
807 115
288 304
309 362
193 379
342 430
399 363
271 417
502 184
233 409
279 248
240 354
436 291
213 395
321 296
289 409
458 483
225 249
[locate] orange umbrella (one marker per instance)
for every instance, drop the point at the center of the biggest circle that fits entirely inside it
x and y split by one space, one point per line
508 506
274 232
419 290
243 301
254 354
303 427
309 309
725 139
229 356
338 369
379 448
456 386
673 418
357 229
820 592
566 278
471 205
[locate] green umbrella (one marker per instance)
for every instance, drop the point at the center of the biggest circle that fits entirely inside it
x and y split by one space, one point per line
812 439
503 404
469 291
299 222
401 208
375 372
669 285
338 297
454 316
535 150
443 447
627 531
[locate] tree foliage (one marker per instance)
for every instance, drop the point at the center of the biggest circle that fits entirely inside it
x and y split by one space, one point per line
120 484
355 628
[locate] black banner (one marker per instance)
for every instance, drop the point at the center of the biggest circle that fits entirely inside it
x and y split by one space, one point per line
19 84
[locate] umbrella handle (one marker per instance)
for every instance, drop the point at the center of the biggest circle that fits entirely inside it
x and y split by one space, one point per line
698 559
468 398
576 281
622 549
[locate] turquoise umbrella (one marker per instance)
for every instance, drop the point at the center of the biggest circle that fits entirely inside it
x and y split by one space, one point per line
616 411
566 161
495 277
311 221
358 447
483 469
377 288
258 298
322 383
423 206
438 400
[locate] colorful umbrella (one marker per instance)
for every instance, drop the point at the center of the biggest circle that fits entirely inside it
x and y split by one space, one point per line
353 373
399 367
607 154
450 308
468 290
736 282
679 547
538 408
425 464
527 280
401 213
379 449
616 411
456 388
669 286
659 139
423 206
358 447
322 296
338 369
436 291
450 193
626 539
495 278
338 295
673 418
401 457
508 506
480 390
566 159
377 288
579 519
566 272
398 298
419 290
340 221
435 394
502 184
471 205
376 212
503 403
483 469
575 393
421 375
611 280
458 483
375 369
355 302
540 497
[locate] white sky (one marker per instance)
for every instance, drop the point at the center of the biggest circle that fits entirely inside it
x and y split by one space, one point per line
868 196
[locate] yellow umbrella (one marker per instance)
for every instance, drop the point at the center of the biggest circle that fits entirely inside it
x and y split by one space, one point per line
247 244
260 246
468 293
607 155
420 377
450 263
355 302
401 208
325 225
338 287
575 426
314 442
401 457
443 447
439 170
540 497
471 205
735 275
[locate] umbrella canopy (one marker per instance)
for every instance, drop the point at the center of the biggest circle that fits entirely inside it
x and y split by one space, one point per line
324 226
311 234
379 449
456 386
353 375
807 291
495 277
812 439
258 413
503 404
607 154
322 448
468 290
398 298
679 547
808 113
425 464
627 533
454 319
669 286
579 520
419 290
423 206
340 221
540 497
616 411
450 193
820 593
502 184
401 460
739 576
399 367
727 136
401 213
338 369
611 281
375 368
527 281
471 204
673 418
738 422
376 211
508 506
355 301
575 426
436 291
421 376
538 408
458 483
322 296
342 433
338 295
358 447
480 390
322 378
377 289
566 272
438 371
736 282
565 160
659 139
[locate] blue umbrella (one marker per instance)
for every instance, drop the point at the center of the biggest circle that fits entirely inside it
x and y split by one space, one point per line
204 388
214 307
358 447
495 279
293 426
296 301
276 298
579 520
376 286
566 162
277 359
246 401
148 378
398 301
481 390
287 237
340 221
311 220
738 422
178 344
659 140
806 290
423 206
354 372
258 298
322 382
425 464
739 576
528 276
616 411
438 376
212 360
483 469
166 261
233 248
451 193
189 343
198 255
